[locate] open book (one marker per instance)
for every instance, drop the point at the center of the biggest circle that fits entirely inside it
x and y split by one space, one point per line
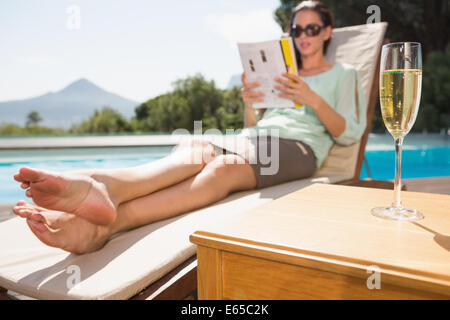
262 62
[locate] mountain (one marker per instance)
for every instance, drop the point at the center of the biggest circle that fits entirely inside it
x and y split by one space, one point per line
71 105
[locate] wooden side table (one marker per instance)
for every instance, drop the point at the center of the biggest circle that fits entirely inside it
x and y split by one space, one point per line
321 242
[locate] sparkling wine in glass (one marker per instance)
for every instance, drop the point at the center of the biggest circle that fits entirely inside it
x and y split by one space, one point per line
400 89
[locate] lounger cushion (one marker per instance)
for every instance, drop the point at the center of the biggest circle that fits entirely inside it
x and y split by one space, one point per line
360 47
127 264
350 45
341 160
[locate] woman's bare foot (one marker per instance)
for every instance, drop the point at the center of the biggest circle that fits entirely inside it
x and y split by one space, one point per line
63 230
77 194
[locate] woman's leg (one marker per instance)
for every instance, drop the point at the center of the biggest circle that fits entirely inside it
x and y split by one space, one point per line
217 179
126 184
96 194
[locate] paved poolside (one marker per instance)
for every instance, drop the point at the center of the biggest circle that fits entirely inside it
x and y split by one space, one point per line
89 141
5 212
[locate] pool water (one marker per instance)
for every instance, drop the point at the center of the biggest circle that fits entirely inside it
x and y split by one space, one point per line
418 163
423 156
68 159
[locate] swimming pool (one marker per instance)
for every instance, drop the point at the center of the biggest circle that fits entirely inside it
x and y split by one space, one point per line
423 156
68 159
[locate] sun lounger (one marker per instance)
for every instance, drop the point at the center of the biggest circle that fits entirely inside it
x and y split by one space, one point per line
157 261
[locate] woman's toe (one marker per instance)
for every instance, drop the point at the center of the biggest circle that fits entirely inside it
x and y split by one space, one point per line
25 185
32 206
18 177
19 210
36 217
39 229
32 175
43 233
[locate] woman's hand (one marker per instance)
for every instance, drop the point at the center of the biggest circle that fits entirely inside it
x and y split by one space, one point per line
248 94
296 90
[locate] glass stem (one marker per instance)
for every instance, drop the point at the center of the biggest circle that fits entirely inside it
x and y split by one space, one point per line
398 173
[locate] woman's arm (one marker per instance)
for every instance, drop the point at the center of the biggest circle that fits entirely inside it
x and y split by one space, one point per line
250 118
332 120
299 91
249 96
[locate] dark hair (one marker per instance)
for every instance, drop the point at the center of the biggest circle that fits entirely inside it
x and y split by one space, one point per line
325 15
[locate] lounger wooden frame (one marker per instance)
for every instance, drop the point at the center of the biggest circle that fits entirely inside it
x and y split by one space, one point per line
181 282
372 103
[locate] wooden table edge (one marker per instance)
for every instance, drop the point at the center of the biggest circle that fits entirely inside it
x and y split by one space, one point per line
397 276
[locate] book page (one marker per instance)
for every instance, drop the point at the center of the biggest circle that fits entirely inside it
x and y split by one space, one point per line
262 62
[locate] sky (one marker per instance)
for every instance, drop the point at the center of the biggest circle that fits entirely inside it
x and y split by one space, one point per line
135 48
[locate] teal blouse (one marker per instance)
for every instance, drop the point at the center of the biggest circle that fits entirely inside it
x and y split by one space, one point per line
337 86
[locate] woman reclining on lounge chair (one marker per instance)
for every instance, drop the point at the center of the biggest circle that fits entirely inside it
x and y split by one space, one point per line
79 211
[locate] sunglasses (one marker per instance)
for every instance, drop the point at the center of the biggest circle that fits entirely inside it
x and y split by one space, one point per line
311 30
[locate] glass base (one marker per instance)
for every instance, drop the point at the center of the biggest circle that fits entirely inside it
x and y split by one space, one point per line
397 213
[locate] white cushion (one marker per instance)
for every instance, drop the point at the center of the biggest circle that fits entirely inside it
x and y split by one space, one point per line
128 263
359 46
351 45
341 160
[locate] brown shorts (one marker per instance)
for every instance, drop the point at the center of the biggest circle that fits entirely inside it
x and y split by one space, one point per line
293 160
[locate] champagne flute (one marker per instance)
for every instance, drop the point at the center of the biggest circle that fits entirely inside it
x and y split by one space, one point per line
400 89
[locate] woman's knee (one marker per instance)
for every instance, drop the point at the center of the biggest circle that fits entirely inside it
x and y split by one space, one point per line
197 151
231 171
218 166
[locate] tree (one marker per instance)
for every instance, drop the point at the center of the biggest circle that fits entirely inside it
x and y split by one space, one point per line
231 113
409 20
434 114
14 129
106 120
33 118
193 99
